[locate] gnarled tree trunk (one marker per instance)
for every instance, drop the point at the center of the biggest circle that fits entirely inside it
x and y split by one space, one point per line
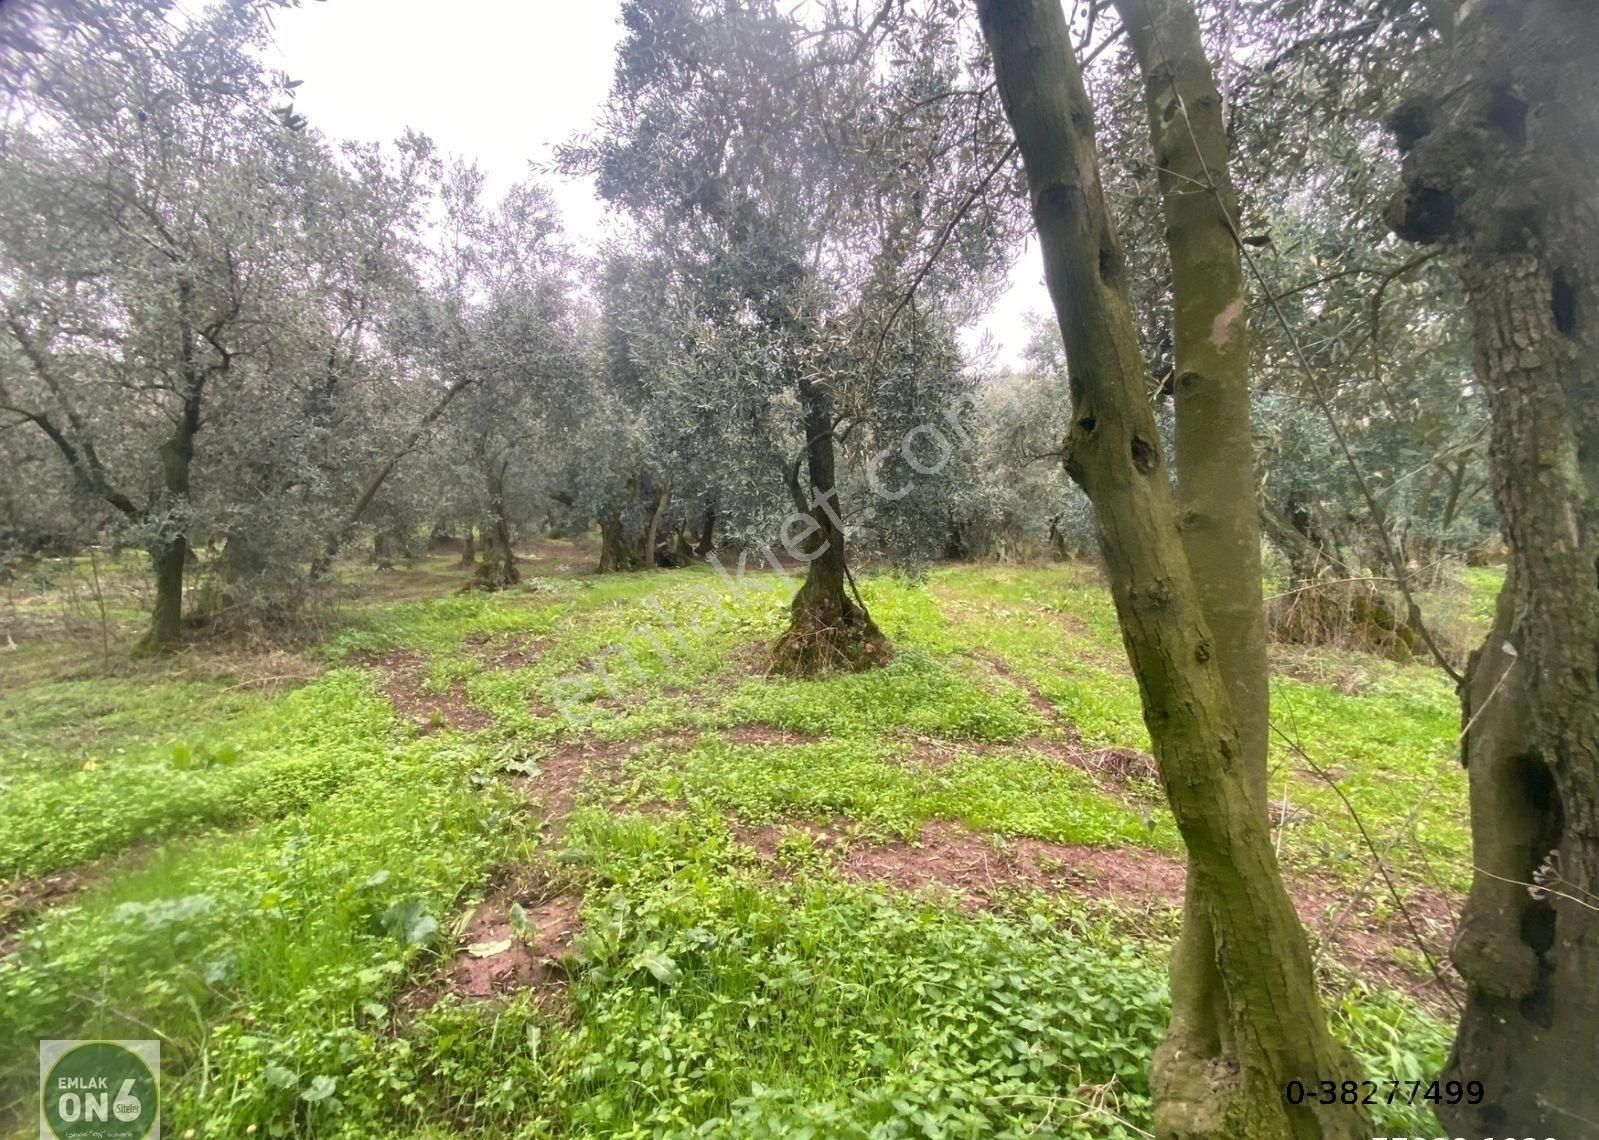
498 568
1264 992
828 627
1500 168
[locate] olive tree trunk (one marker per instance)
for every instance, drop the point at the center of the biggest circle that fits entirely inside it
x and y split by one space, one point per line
1275 1028
829 627
498 568
169 550
1214 458
1500 167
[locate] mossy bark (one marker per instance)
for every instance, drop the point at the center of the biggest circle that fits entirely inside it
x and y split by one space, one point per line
498 568
1500 163
1214 457
1266 996
617 552
168 560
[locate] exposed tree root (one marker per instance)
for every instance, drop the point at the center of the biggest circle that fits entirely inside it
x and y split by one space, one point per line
829 635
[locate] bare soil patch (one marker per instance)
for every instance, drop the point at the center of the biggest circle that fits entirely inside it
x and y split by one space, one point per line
405 679
975 872
955 858
506 651
766 735
561 773
493 959
22 900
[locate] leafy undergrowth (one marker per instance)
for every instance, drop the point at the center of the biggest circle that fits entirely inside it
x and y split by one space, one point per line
268 762
308 862
1010 792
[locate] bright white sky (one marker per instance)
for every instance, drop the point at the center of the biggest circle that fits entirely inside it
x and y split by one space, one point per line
501 81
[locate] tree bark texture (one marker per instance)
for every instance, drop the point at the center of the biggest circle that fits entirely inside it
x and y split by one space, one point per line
498 568
1501 160
1215 462
1275 1022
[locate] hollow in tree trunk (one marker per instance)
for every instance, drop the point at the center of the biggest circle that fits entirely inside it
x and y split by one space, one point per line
829 627
1500 162
1265 1025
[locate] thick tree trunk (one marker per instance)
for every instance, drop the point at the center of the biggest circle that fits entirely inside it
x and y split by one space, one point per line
498 569
469 547
617 552
1215 462
828 628
707 539
1500 168
168 559
1266 996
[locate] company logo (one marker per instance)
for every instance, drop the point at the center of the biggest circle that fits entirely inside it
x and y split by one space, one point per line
99 1090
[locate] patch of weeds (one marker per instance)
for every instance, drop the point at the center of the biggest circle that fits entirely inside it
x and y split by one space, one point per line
917 693
268 961
1021 793
713 1001
441 624
1013 793
54 726
278 759
1392 752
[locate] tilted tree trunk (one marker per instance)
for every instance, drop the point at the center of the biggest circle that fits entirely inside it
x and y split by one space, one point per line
1501 161
1214 456
1268 999
828 627
707 539
369 490
653 530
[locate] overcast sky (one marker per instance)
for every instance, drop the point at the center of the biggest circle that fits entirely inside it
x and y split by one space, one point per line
500 81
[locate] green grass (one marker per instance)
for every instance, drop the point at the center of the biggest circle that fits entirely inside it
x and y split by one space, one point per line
303 856
272 760
300 930
877 786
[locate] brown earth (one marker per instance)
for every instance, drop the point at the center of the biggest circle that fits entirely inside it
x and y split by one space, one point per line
485 969
976 872
405 675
